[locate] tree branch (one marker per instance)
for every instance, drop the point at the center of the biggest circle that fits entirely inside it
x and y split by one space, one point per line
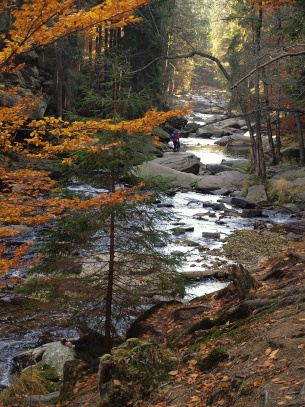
189 55
284 55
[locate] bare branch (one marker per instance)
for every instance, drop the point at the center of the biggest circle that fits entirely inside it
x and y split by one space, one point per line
283 55
189 55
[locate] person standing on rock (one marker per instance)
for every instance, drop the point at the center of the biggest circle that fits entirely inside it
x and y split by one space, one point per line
176 140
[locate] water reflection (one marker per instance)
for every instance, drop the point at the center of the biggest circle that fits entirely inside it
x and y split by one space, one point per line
209 152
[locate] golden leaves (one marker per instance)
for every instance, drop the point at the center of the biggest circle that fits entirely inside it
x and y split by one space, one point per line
39 23
28 196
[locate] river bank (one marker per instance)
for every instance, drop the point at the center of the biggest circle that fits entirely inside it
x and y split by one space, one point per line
228 351
51 316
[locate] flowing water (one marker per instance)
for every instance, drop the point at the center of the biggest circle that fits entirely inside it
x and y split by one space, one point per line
186 206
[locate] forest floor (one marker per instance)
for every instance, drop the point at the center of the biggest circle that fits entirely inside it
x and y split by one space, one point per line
253 356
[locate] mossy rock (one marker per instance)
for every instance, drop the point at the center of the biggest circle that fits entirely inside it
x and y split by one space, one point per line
137 369
215 356
202 325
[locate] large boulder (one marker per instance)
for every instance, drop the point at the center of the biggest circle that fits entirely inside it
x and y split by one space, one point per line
235 123
184 162
216 168
232 180
177 122
176 178
234 140
162 134
256 194
209 131
56 355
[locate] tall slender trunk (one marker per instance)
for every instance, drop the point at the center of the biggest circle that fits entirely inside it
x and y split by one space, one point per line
112 228
109 294
273 160
260 169
58 75
279 89
300 138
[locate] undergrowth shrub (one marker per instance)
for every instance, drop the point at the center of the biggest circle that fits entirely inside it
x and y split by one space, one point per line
280 191
28 381
137 369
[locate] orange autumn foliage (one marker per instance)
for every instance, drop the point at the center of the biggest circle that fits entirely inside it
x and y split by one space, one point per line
29 197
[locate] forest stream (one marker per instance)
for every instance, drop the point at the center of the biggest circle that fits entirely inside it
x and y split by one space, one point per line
20 333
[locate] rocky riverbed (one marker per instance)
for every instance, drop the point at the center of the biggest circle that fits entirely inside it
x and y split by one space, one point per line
28 322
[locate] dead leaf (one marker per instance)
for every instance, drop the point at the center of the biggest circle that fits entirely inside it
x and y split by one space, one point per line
272 355
257 383
117 382
277 380
268 351
173 373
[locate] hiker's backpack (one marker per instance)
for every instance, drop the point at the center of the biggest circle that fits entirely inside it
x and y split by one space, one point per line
174 134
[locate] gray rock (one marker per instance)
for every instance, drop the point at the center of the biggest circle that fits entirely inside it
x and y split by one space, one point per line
223 141
213 235
209 131
235 123
299 182
256 194
221 191
252 213
176 178
232 180
242 203
42 398
184 162
56 355
241 161
161 133
216 168
290 173
31 356
294 236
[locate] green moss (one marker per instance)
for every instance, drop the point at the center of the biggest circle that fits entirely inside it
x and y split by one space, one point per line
50 377
215 356
204 324
138 368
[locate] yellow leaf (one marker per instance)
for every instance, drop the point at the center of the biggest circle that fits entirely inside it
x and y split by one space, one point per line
117 382
276 380
272 355
257 383
173 373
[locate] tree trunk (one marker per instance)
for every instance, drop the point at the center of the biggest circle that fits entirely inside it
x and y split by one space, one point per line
58 76
300 139
243 281
260 169
278 96
273 160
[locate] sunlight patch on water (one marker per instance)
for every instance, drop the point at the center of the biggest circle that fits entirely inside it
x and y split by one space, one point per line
208 151
206 287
